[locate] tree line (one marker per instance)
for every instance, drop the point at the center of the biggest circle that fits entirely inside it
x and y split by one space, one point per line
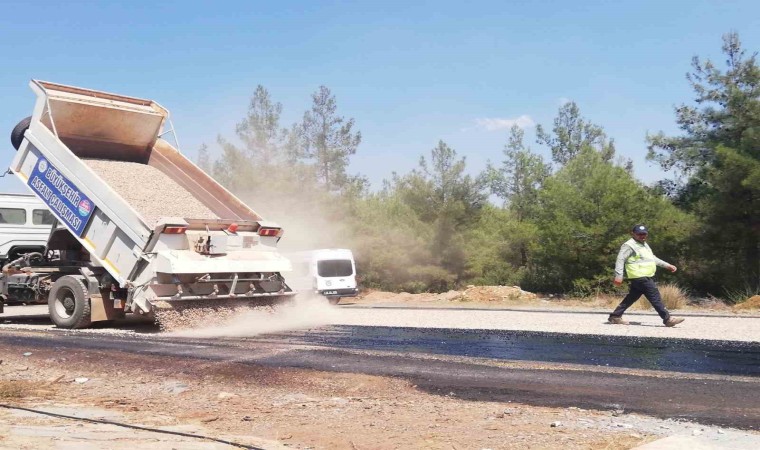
557 224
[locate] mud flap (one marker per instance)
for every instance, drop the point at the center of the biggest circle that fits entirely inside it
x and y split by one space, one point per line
101 310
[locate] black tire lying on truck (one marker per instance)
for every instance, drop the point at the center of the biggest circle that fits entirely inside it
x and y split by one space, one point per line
69 303
17 135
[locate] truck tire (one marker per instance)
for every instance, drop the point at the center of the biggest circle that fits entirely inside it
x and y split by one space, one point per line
17 135
69 303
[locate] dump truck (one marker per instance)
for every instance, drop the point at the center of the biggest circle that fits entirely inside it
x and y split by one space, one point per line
140 228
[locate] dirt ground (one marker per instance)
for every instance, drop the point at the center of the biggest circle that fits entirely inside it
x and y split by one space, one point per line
286 408
273 408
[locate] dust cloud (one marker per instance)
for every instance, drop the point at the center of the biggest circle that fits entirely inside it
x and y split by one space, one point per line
303 312
305 219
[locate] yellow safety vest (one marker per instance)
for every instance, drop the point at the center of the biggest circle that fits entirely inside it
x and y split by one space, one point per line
641 263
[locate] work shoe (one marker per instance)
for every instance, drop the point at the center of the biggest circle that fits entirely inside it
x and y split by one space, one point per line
673 321
618 321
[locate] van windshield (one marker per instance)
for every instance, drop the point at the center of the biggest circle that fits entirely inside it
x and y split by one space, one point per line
334 268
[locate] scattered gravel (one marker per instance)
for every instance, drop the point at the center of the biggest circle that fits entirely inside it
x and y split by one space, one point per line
197 314
200 313
149 191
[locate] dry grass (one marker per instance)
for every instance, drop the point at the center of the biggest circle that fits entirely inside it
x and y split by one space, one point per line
673 296
641 304
15 389
752 303
595 301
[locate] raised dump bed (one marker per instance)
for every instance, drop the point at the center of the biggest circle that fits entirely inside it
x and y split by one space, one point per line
157 229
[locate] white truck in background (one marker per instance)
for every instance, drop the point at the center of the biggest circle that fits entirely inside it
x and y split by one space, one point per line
24 225
140 228
327 272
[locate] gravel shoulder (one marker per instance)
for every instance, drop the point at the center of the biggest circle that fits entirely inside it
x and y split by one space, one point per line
737 328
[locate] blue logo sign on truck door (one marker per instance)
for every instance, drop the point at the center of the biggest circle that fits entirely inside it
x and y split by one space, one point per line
71 206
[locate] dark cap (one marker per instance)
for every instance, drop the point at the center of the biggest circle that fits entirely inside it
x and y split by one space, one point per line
640 228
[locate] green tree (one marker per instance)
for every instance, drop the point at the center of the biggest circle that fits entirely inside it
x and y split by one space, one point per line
329 140
269 167
204 159
716 160
726 250
392 245
726 113
520 176
260 130
517 182
258 162
441 194
498 245
572 133
233 168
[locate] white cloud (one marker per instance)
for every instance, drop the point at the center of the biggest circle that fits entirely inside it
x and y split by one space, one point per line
495 123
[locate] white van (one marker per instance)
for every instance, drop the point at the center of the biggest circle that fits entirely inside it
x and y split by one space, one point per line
24 225
327 272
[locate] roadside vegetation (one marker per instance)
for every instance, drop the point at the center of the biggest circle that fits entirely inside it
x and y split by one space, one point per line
556 225
10 389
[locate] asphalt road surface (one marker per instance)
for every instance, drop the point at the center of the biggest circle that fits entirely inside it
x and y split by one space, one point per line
711 381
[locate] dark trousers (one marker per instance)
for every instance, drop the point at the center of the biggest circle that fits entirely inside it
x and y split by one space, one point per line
642 286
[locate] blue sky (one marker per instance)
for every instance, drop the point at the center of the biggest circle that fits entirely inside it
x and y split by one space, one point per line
409 73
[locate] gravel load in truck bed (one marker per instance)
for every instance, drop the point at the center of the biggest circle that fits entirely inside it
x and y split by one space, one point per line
149 191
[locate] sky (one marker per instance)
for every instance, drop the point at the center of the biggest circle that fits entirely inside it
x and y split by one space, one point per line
410 73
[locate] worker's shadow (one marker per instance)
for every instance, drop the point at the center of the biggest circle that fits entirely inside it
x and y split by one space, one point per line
634 323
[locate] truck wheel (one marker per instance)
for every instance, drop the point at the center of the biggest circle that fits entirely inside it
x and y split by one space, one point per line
333 300
17 135
69 303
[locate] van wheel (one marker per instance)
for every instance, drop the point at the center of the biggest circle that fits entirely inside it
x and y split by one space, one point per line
17 135
333 300
69 303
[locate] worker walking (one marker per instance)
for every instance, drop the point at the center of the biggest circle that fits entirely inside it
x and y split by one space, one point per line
640 264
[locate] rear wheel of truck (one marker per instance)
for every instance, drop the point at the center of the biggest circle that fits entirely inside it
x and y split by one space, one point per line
17 135
69 303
